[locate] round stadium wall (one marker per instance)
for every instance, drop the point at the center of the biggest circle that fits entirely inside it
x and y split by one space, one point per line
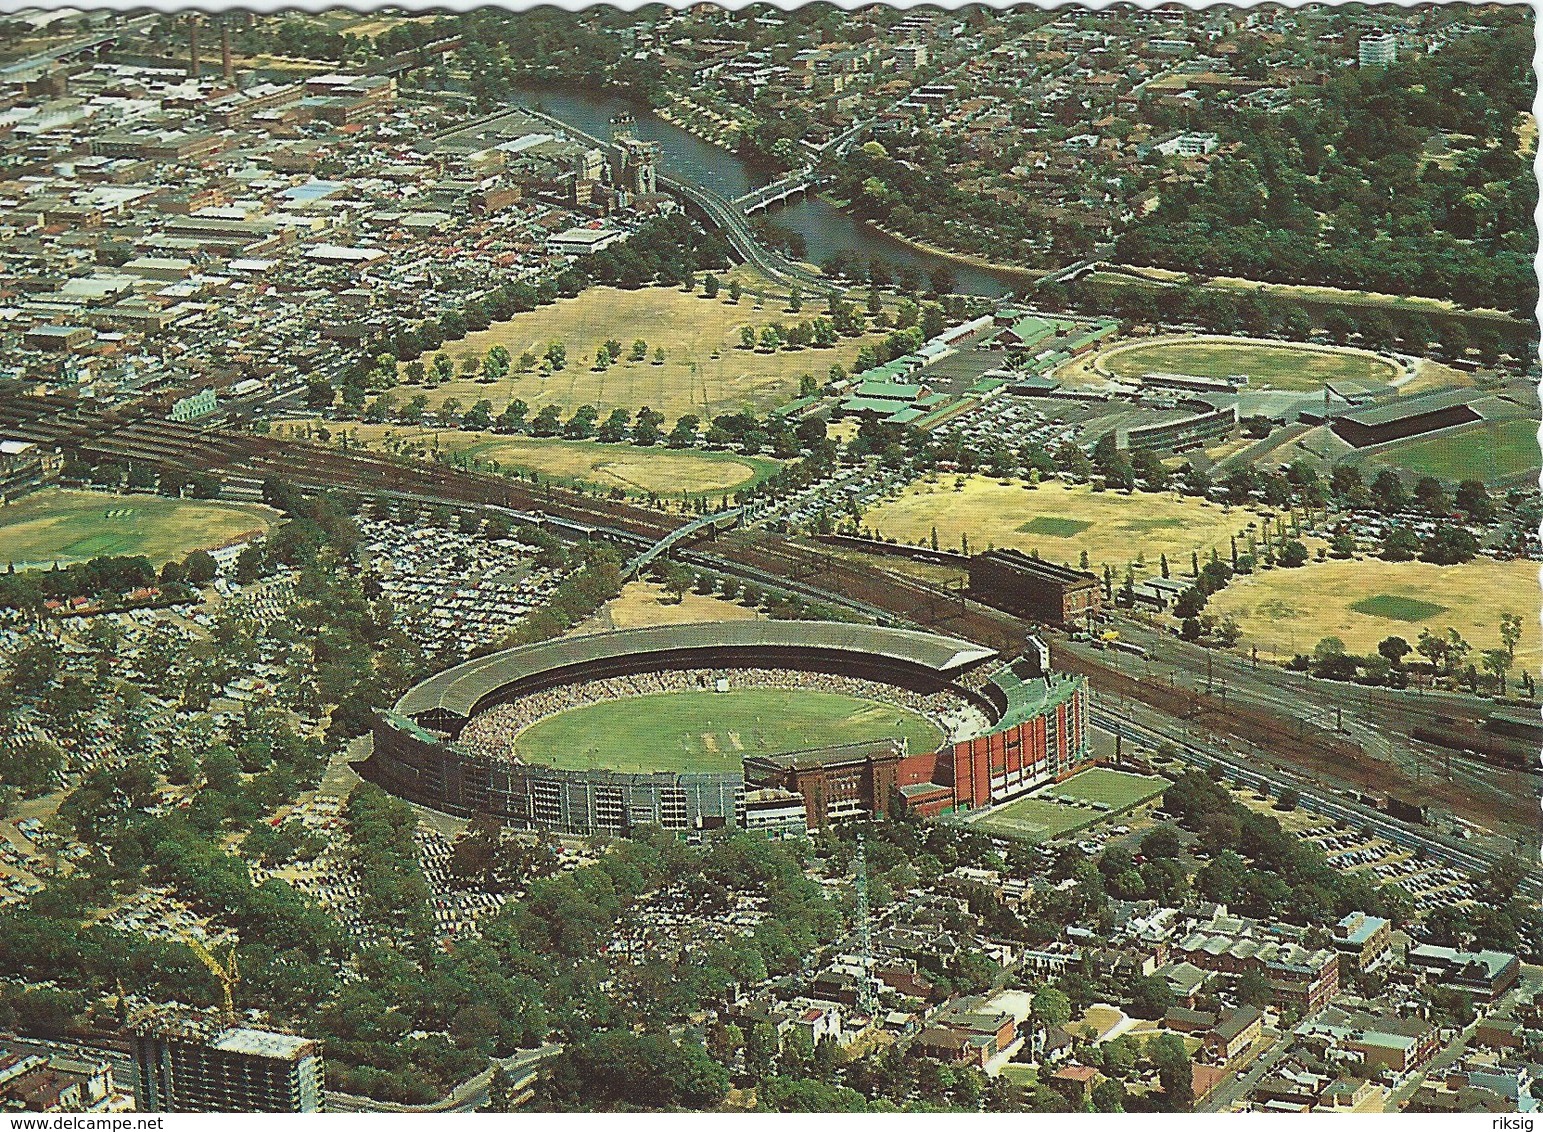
415 755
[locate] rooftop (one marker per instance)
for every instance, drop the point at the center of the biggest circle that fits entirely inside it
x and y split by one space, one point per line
262 1043
460 689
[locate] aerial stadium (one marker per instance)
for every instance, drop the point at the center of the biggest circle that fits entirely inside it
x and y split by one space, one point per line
782 726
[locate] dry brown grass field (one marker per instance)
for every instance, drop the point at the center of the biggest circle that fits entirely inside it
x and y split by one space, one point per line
641 604
635 470
704 371
1062 521
1285 612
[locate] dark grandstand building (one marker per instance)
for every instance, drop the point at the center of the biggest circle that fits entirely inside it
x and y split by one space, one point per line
1405 417
1030 587
1183 433
1036 732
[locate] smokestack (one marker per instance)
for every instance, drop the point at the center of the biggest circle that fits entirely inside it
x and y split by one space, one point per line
226 65
193 47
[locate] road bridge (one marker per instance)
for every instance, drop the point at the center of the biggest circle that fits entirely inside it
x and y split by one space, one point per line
81 46
723 214
794 184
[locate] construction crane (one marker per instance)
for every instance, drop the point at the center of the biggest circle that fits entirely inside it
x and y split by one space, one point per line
226 973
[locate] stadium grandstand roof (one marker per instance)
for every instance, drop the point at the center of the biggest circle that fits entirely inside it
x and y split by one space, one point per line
460 689
1405 407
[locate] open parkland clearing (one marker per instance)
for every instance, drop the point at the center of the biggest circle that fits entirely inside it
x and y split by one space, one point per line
58 525
1061 521
637 471
1268 365
704 372
684 732
1285 612
1080 801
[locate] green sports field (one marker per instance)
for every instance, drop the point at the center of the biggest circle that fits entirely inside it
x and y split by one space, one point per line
1268 365
1083 800
1488 452
711 731
1397 607
1117 789
58 525
1054 526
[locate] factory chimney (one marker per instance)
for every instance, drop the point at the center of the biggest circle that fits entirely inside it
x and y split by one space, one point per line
193 47
226 65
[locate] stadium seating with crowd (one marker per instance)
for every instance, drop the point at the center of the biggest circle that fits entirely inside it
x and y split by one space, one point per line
491 733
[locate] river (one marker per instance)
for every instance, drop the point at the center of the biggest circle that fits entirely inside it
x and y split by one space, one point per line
825 229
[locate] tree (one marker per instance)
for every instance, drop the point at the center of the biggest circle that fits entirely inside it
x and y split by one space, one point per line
735 291
1174 1071
200 567
616 426
1448 546
1400 544
684 434
659 356
710 286
319 394
1394 649
618 1070
1051 1007
747 337
1497 662
1473 500
1432 496
1150 997
557 355
547 422
1253 989
1388 492
1510 633
677 580
1292 554
639 351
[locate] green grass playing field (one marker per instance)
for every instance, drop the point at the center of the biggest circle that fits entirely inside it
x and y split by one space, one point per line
1054 526
57 525
1398 608
1053 811
1487 452
1271 366
711 731
1117 789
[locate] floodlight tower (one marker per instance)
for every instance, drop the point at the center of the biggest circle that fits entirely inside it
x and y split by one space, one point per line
867 995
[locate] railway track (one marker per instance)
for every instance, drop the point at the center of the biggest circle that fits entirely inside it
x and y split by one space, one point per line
803 566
